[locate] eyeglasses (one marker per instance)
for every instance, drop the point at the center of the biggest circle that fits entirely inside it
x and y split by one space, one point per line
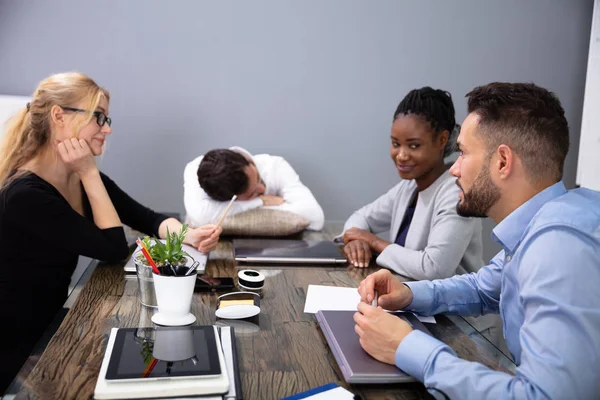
101 118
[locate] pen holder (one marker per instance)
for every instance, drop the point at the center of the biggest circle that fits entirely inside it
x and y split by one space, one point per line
174 298
145 277
145 282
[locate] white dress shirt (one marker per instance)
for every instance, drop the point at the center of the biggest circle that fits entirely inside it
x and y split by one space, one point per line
280 180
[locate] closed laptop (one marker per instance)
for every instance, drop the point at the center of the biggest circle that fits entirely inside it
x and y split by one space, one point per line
357 365
287 251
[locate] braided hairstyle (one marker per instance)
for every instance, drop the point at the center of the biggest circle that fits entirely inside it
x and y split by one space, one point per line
436 107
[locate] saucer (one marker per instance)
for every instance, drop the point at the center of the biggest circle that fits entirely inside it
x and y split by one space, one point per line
165 320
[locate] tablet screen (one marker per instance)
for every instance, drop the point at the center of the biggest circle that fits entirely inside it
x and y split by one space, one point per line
162 352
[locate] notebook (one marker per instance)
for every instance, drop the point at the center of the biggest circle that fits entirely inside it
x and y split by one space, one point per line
285 251
178 361
194 253
356 365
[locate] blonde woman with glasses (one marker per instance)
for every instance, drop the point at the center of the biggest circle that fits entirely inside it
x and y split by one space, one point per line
56 205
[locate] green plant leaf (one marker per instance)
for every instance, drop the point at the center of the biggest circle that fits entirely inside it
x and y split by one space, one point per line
169 252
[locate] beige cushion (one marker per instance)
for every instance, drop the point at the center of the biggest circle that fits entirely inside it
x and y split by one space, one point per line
264 222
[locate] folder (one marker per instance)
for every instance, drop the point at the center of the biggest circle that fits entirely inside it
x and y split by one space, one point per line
356 364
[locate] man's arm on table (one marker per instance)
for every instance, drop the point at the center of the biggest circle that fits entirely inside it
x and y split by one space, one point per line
297 198
202 210
559 336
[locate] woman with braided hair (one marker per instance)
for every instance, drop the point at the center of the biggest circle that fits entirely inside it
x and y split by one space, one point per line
427 240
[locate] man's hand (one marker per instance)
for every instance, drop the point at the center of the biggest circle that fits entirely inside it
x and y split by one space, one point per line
392 294
204 238
76 154
380 333
269 200
358 253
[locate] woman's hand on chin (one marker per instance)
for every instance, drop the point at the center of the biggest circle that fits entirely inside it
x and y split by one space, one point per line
77 156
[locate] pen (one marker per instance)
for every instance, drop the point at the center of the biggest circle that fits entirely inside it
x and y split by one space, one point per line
375 297
192 268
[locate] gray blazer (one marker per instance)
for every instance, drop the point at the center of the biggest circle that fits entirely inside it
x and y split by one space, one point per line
439 243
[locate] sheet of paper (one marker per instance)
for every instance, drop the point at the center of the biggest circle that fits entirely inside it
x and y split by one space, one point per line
330 391
339 393
330 298
337 298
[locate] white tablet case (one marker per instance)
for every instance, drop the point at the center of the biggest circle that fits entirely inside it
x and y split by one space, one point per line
162 387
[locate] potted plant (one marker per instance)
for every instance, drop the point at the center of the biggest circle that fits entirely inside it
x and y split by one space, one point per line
167 252
168 255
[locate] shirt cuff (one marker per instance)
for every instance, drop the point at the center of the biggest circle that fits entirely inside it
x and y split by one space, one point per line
255 203
422 297
414 351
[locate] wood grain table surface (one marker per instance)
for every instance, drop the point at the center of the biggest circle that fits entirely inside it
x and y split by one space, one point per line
281 351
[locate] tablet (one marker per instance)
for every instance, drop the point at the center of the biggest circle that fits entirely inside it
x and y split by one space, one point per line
164 352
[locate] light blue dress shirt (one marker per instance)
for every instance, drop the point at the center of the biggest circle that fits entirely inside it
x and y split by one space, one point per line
546 285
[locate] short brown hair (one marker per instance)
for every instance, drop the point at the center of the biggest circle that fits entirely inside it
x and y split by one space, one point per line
222 173
527 118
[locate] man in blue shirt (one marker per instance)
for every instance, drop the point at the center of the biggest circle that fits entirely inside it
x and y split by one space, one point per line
544 283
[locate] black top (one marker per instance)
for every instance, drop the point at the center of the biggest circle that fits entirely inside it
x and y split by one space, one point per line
41 237
406 221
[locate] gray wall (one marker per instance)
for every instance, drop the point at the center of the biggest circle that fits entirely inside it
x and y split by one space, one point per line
313 81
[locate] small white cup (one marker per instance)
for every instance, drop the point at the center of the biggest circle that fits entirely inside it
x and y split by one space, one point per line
174 299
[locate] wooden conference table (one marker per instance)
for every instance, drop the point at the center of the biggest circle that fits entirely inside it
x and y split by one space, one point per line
281 353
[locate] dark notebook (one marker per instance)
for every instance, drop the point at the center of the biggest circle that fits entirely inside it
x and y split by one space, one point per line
356 365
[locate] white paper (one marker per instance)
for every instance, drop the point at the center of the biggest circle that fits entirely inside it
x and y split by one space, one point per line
424 318
338 393
331 298
337 298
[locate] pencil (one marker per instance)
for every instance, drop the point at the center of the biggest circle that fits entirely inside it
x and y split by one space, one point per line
226 211
146 254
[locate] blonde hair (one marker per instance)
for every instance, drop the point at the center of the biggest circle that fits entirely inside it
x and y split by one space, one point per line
28 132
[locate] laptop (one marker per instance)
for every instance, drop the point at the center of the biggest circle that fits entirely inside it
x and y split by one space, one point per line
282 251
357 365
